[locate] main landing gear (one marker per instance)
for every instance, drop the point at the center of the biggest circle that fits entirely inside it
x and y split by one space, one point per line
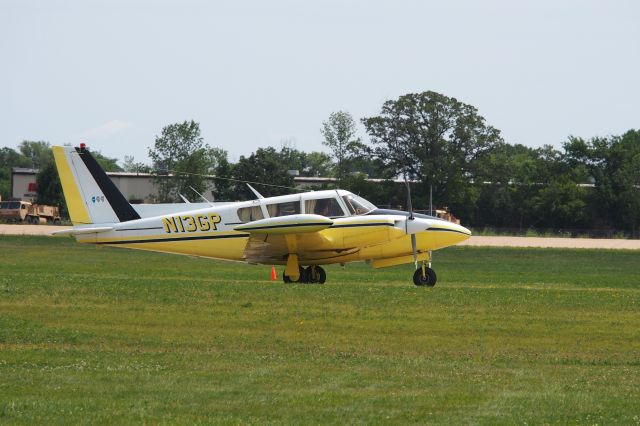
311 275
424 276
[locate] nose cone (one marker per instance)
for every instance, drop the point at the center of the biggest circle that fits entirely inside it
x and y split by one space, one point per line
438 233
463 233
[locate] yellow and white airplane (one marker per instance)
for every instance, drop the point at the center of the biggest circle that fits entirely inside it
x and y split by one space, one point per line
301 231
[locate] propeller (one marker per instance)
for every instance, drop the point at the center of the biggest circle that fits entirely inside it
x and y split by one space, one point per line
414 245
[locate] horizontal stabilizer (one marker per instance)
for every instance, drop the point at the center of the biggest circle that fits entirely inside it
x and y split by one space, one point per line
293 224
80 231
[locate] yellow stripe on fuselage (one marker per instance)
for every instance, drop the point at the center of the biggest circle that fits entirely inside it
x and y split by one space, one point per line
75 204
169 237
229 246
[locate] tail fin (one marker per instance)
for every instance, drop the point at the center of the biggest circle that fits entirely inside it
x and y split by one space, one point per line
91 196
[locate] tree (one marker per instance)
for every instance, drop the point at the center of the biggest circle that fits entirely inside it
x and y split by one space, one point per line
223 170
291 158
561 204
308 164
131 166
263 166
339 135
38 152
613 164
107 164
49 187
9 158
437 140
317 164
180 154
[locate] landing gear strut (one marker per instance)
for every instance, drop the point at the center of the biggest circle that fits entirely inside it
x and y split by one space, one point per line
424 276
312 275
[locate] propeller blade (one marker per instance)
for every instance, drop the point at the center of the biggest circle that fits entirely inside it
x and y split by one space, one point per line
414 248
409 205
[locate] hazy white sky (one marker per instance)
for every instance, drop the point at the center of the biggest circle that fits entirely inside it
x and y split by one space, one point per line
257 73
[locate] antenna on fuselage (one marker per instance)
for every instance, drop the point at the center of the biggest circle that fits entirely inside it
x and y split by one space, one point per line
184 198
201 196
259 195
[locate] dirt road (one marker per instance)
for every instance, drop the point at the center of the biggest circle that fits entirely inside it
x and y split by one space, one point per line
29 229
473 241
591 243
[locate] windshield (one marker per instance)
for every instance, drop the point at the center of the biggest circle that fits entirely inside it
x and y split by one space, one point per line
10 205
357 205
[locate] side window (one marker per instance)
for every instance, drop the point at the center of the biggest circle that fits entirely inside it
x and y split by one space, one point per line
249 214
283 209
328 207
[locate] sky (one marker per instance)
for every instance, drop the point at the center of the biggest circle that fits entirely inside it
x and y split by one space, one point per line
113 73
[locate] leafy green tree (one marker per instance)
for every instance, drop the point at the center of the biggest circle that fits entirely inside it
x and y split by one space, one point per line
613 164
9 158
38 152
291 158
264 166
221 168
561 204
437 140
363 161
182 156
307 164
517 187
132 166
339 135
317 164
49 187
108 164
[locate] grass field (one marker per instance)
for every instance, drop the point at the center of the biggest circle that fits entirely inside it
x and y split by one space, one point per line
527 336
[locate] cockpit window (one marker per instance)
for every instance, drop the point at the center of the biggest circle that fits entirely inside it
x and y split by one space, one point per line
357 205
249 214
328 207
283 209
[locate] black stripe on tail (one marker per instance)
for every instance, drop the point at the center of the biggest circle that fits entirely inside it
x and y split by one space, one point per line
118 203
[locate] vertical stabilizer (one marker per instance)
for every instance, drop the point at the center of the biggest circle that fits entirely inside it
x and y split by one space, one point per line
90 195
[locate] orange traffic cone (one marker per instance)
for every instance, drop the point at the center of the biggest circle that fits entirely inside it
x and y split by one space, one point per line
274 276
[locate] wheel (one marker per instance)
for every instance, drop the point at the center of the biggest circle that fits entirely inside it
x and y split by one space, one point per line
56 221
315 274
302 279
429 278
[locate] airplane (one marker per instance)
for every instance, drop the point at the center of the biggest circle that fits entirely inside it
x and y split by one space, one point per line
300 231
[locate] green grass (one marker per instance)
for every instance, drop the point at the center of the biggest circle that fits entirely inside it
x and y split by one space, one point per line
101 335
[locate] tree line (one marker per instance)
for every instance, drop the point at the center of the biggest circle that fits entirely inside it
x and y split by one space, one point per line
441 145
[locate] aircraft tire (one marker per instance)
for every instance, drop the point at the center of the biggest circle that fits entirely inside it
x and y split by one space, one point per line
429 279
320 275
302 279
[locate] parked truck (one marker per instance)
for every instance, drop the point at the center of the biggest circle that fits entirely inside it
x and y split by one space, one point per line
24 211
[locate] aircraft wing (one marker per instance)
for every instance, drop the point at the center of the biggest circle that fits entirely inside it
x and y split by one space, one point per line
292 224
272 239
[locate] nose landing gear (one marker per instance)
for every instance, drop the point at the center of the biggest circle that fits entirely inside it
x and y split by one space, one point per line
424 276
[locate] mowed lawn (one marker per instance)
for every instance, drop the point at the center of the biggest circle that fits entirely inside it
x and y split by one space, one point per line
102 335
